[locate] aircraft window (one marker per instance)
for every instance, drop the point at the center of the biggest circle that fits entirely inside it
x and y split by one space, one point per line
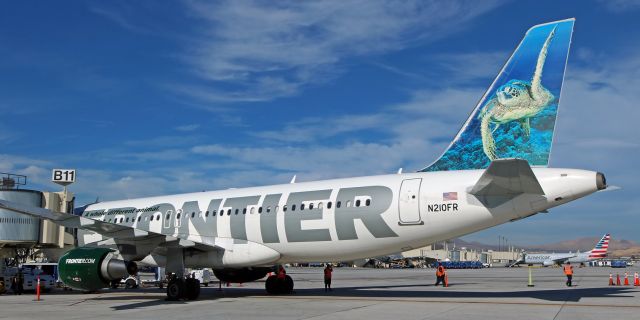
253 210
302 206
237 210
206 214
244 211
293 207
260 210
284 208
178 215
348 203
310 206
139 218
127 219
193 214
329 205
338 204
275 209
121 219
229 212
221 212
109 220
320 205
146 218
357 203
367 202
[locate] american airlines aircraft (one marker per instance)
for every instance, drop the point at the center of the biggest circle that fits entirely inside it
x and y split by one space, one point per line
549 259
494 171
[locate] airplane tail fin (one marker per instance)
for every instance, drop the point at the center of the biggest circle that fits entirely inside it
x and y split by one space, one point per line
601 248
516 116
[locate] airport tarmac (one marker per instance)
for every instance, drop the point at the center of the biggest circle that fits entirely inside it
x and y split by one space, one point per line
494 293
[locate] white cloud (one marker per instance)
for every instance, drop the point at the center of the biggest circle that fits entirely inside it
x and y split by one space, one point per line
259 51
188 127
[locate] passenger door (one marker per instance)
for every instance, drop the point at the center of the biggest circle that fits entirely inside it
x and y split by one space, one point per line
409 202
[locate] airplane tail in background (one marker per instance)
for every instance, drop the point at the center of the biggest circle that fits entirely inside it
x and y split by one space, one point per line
516 116
600 250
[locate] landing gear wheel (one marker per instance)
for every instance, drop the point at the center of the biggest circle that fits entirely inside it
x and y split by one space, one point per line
130 284
287 285
192 289
273 285
176 289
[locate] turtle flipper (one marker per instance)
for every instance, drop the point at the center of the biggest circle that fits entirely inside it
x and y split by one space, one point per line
488 144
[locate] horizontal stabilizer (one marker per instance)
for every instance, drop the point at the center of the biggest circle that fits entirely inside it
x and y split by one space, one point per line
505 179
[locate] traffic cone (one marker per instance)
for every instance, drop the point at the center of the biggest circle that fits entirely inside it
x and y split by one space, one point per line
636 280
617 279
611 279
446 280
38 290
626 279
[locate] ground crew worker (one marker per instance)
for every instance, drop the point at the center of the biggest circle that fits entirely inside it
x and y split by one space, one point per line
14 285
440 274
568 271
328 270
281 273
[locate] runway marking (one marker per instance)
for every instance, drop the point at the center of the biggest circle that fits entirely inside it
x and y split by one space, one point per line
542 304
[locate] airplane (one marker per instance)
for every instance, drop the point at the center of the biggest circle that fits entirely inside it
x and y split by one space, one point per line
549 259
494 171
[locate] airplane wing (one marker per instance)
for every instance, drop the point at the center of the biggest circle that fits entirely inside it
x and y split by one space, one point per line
109 230
559 259
230 252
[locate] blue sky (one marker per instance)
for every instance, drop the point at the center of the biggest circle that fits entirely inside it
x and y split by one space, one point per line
148 98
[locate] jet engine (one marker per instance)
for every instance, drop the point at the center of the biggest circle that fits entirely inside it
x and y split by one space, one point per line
241 275
548 263
93 268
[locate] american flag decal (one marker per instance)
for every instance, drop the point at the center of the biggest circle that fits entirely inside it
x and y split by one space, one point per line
449 196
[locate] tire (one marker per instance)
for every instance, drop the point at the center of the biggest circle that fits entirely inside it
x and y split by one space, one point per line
287 285
192 289
130 284
271 285
206 284
176 290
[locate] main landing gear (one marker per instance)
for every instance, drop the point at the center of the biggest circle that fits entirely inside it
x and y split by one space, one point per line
275 285
179 288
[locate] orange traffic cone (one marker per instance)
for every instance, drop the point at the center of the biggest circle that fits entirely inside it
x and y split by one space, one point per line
446 280
610 279
617 279
626 279
636 280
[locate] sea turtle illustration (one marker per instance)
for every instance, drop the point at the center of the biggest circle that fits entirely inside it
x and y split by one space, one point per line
516 100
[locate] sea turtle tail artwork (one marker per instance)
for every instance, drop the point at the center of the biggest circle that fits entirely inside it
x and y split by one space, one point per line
516 116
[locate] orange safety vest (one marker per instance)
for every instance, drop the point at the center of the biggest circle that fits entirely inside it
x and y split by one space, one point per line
440 271
568 270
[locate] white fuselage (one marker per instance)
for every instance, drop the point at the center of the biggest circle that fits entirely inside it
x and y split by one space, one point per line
377 215
549 259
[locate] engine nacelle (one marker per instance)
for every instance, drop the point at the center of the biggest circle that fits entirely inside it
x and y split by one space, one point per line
92 268
548 263
241 275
